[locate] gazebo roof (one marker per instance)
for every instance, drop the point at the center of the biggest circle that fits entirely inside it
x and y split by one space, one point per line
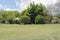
16 18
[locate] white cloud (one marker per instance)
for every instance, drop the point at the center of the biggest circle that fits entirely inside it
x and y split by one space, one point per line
9 9
5 7
23 4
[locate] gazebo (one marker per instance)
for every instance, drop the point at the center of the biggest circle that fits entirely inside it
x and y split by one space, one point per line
17 20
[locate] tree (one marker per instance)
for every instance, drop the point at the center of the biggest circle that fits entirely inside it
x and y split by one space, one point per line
25 12
35 9
4 16
8 16
39 19
58 15
17 14
1 18
25 19
48 18
11 15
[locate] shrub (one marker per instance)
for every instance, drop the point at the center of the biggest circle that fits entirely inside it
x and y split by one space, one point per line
39 19
25 19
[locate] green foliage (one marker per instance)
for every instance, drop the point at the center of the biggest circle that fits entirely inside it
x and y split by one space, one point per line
25 12
3 16
12 15
17 14
35 13
58 15
35 9
39 19
8 16
48 18
25 19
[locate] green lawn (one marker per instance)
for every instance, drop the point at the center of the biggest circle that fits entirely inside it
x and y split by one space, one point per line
30 32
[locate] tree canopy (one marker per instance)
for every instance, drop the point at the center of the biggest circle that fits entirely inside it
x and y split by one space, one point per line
34 14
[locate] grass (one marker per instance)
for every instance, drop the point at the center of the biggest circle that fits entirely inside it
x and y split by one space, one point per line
30 32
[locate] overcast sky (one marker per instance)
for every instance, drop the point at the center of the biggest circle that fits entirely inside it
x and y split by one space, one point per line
22 4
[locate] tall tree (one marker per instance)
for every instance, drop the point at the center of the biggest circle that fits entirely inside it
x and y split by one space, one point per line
35 9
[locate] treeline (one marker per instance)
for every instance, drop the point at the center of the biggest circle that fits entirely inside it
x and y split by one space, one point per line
34 14
8 16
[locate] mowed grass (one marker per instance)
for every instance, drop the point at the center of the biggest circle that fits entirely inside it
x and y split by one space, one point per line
30 32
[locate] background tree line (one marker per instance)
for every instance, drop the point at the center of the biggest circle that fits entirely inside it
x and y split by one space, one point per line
34 14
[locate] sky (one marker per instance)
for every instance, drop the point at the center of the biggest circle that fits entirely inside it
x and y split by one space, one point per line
22 4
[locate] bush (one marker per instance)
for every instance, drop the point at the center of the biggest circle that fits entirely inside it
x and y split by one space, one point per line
25 19
39 19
